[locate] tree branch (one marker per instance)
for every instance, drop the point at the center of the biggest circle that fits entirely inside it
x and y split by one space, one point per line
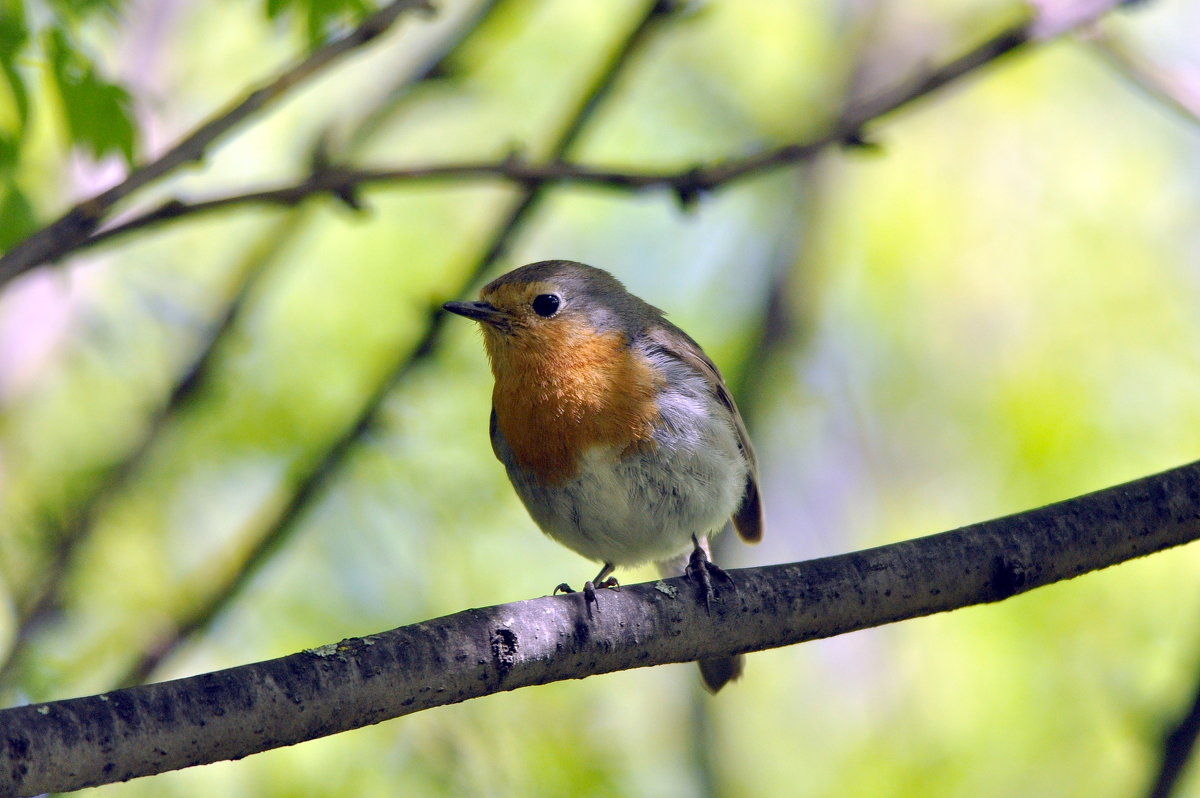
228 714
688 184
69 231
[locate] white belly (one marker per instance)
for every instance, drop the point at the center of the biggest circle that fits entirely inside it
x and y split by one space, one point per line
647 506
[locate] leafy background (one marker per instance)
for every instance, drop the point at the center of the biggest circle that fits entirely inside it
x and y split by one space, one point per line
998 309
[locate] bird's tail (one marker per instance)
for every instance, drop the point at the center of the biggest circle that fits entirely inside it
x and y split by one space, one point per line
715 672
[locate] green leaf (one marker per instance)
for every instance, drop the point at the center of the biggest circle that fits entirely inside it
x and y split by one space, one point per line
97 113
277 7
13 11
13 36
326 16
10 150
16 216
17 90
321 18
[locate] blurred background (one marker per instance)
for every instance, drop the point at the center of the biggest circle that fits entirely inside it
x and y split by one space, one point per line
235 436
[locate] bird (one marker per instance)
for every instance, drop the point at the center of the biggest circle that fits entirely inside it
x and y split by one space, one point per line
617 431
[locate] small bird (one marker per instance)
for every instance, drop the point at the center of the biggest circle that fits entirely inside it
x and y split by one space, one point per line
616 430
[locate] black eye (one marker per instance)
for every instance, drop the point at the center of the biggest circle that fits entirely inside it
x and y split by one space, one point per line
546 305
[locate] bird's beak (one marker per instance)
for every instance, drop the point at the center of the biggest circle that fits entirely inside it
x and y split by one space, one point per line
478 311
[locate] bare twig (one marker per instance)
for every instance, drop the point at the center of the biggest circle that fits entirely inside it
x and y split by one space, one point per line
327 467
688 184
65 234
65 745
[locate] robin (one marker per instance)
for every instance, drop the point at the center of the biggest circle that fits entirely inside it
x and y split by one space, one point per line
617 431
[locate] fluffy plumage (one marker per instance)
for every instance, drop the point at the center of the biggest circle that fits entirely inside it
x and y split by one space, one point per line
616 430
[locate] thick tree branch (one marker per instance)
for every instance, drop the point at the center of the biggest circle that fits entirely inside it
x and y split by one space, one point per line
687 184
68 232
80 742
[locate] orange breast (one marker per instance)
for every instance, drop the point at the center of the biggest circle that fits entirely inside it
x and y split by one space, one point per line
560 390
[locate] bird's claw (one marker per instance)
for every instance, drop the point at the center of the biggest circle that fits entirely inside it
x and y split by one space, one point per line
703 570
589 590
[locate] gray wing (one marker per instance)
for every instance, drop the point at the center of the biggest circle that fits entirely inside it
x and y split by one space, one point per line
748 518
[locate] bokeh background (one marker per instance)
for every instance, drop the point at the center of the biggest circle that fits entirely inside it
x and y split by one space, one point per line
997 308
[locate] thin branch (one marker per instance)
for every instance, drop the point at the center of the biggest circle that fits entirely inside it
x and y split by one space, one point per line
69 231
1178 745
66 745
328 466
688 184
338 181
35 608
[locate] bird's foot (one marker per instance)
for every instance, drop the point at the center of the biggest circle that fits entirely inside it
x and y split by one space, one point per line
603 581
704 571
591 587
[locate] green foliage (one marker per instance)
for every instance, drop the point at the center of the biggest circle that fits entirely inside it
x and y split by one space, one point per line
46 49
98 112
82 9
13 36
54 51
320 18
15 210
